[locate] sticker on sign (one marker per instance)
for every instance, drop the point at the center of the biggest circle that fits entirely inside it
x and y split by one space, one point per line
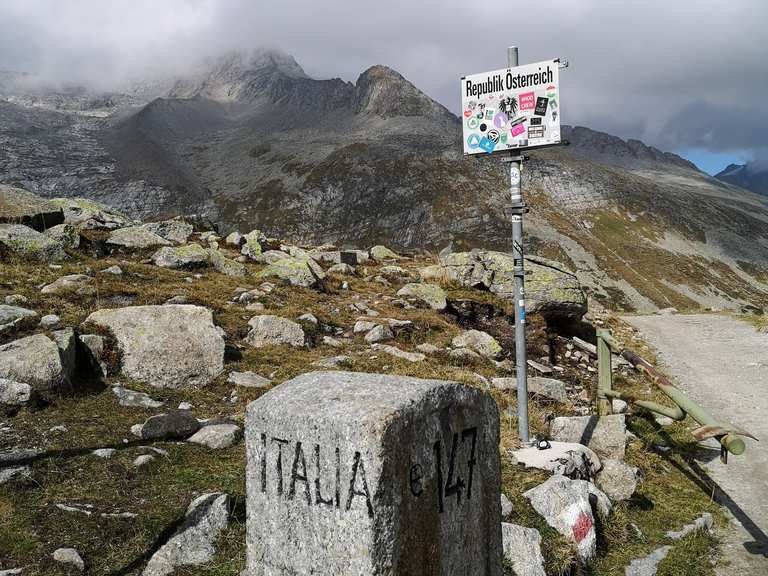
523 103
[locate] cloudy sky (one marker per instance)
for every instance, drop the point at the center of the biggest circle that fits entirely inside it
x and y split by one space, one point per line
687 76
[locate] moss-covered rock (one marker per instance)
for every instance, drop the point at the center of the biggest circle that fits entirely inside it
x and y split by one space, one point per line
251 244
430 294
225 265
136 237
30 244
550 289
66 234
19 206
181 257
293 271
382 253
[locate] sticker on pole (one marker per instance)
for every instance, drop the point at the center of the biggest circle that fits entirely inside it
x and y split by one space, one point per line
521 104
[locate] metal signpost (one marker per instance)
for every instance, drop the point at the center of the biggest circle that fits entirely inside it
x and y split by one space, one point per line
510 111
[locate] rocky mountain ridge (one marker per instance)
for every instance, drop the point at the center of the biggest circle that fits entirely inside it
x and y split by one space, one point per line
254 142
747 176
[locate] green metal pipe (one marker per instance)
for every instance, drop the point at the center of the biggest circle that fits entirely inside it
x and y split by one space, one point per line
676 413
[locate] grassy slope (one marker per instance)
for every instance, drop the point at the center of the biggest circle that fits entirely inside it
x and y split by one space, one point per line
31 527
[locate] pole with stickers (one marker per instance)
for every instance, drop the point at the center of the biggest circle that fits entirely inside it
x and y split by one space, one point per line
510 111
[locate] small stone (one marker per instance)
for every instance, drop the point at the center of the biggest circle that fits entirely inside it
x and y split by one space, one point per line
427 348
175 424
181 257
248 380
115 270
16 300
380 333
464 354
143 460
506 506
333 342
69 556
14 473
185 406
60 429
255 307
308 318
382 253
334 362
522 549
619 406
105 453
69 282
363 326
217 436
131 398
663 420
397 353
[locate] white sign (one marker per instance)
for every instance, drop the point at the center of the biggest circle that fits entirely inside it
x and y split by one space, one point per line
511 108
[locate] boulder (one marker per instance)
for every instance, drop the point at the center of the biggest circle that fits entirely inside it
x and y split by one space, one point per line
268 330
10 316
133 399
226 266
565 505
90 215
136 237
248 380
294 271
176 424
216 436
354 468
14 394
522 549
342 269
36 361
149 337
185 257
25 242
429 294
550 289
618 479
49 321
568 459
66 284
379 333
382 254
251 245
175 230
19 206
193 542
606 435
65 234
234 239
481 342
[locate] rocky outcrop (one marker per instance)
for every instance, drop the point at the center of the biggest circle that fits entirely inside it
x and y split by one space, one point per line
19 206
90 215
550 289
27 243
149 336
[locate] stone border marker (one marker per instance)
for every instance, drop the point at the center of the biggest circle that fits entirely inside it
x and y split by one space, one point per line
353 473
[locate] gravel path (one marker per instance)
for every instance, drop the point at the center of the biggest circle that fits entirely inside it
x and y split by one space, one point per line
722 363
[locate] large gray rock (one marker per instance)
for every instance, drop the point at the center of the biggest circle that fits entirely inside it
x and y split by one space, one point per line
69 557
398 353
478 341
550 288
89 214
522 549
185 257
225 265
10 316
429 294
36 361
606 435
294 271
618 479
174 230
168 346
137 237
19 206
65 234
372 474
175 424
547 388
382 254
25 242
268 330
575 461
565 505
193 542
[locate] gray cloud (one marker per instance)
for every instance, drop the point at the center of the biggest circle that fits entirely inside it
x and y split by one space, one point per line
675 74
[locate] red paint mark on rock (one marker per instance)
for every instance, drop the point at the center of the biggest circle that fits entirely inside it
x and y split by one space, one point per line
582 527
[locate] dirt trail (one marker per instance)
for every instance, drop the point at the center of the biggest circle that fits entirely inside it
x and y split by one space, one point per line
722 363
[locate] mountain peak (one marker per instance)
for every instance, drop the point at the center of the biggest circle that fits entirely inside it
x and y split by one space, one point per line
385 92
